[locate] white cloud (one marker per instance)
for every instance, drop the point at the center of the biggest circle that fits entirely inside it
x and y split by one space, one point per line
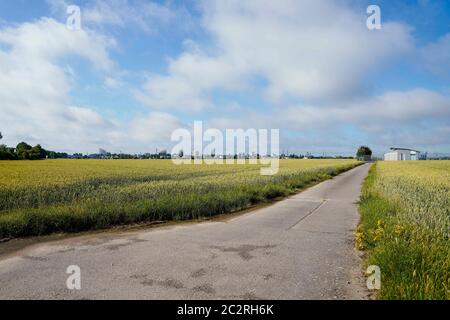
86 117
119 12
48 39
192 76
35 87
309 58
146 15
113 83
316 58
171 93
436 56
390 109
314 50
155 127
417 118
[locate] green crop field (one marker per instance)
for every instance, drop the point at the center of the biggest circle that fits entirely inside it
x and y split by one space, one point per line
49 196
405 228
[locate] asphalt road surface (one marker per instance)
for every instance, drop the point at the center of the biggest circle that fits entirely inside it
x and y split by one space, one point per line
298 248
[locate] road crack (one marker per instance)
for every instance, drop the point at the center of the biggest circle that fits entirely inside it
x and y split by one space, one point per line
308 214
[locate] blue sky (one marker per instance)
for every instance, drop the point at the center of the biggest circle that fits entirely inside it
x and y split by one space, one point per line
137 70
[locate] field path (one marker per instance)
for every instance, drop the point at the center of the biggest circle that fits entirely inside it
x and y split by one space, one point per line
299 248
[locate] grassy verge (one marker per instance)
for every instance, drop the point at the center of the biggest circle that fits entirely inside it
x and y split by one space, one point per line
411 246
45 208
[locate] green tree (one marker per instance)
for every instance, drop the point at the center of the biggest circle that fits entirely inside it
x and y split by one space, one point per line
23 151
3 151
7 153
37 152
363 151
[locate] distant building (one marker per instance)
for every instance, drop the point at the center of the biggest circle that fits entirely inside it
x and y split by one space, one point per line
399 154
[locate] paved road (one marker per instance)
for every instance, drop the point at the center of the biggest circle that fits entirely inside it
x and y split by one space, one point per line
299 248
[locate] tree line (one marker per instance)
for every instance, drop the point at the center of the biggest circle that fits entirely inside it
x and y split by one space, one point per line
23 151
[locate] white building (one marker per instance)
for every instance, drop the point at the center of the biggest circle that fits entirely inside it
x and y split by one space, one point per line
398 154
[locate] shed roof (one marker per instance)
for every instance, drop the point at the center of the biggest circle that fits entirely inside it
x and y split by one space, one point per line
405 149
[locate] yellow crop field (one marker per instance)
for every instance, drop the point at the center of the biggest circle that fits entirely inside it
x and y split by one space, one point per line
48 196
406 227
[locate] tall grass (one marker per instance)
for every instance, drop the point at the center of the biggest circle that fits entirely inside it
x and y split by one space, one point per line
405 228
39 198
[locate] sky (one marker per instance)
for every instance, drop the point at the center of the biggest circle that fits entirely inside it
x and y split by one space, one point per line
138 70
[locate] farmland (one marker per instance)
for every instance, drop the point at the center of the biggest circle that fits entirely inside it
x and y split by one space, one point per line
50 196
405 225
